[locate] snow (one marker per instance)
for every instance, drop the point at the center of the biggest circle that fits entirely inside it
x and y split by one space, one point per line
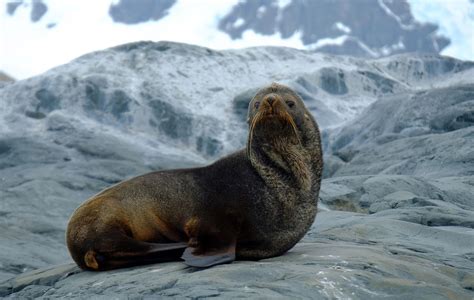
342 27
261 11
250 38
283 3
456 21
239 22
328 41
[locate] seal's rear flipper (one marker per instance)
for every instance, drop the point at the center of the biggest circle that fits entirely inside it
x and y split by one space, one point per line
136 253
205 260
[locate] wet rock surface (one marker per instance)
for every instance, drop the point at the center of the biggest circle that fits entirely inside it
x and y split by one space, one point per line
399 168
345 255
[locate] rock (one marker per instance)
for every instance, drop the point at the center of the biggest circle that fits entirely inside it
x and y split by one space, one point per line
398 161
133 12
38 10
369 193
433 111
459 189
436 126
339 195
345 255
436 155
438 201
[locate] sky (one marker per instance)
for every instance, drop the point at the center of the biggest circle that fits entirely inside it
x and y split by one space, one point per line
82 26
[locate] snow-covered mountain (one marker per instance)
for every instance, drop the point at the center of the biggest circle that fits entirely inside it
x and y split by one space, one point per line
53 32
370 28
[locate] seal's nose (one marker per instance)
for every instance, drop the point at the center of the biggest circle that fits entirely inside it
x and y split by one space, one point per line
270 100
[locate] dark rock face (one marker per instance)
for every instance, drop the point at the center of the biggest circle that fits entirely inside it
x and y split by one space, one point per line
373 28
137 11
397 204
332 81
12 6
38 9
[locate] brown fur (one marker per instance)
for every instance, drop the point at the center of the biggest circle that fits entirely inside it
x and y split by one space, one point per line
259 201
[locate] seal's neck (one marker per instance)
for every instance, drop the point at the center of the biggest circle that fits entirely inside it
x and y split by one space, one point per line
280 162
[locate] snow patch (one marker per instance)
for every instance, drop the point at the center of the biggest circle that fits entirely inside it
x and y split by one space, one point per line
328 41
239 22
455 19
283 3
342 27
366 48
251 38
261 11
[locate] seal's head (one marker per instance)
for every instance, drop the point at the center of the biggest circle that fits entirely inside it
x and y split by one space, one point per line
282 133
277 113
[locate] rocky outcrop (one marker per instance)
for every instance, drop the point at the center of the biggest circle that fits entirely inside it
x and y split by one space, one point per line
427 133
345 255
398 192
137 11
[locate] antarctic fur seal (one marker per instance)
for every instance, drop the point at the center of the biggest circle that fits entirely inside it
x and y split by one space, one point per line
255 203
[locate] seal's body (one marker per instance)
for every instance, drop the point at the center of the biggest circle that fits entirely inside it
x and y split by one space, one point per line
253 204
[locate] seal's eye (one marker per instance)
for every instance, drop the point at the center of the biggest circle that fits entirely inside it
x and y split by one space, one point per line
256 104
290 103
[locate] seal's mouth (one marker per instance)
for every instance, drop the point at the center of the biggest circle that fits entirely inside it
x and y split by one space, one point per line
273 119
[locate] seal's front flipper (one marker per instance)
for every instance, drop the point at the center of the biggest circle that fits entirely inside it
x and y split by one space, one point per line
211 241
166 247
194 258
